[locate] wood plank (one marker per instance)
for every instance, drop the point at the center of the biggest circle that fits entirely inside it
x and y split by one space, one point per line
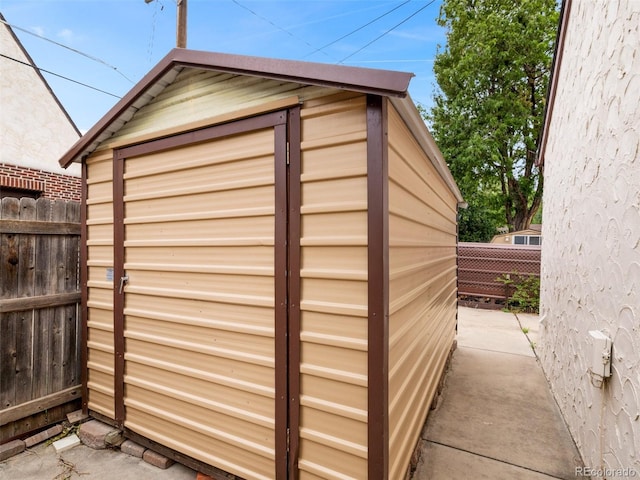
71 347
39 405
39 228
9 253
43 320
57 254
24 357
73 251
42 301
26 247
33 423
57 346
8 359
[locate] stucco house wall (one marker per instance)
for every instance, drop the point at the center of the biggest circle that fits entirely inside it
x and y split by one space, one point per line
35 130
591 251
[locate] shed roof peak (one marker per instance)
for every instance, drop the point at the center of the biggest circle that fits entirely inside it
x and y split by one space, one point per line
365 80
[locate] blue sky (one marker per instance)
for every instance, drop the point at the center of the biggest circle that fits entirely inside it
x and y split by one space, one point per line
126 38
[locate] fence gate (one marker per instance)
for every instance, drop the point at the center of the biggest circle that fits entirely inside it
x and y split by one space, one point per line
39 313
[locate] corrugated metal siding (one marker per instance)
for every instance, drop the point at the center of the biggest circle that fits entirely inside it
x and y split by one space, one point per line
199 306
422 288
200 94
100 284
333 370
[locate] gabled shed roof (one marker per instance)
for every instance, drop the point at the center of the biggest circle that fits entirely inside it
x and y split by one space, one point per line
382 82
379 82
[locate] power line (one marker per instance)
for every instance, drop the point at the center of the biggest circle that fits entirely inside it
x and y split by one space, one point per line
357 29
276 26
59 76
388 31
91 57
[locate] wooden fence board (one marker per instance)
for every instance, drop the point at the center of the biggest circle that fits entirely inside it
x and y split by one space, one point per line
24 366
8 360
42 345
39 312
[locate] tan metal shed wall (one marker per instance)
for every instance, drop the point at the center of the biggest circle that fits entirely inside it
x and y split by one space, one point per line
333 337
422 288
199 305
100 285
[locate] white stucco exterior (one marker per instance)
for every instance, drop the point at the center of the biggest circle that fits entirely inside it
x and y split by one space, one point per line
591 251
34 130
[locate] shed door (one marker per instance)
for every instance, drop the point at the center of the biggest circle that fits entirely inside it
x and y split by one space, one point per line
201 259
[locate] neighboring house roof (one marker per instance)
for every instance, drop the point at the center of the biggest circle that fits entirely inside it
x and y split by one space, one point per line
380 82
553 82
31 137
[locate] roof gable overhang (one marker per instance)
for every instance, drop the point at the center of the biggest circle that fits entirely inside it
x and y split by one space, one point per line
380 82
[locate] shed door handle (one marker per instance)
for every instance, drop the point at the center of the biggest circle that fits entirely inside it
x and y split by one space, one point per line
124 279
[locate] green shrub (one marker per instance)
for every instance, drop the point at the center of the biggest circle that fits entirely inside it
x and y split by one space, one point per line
522 291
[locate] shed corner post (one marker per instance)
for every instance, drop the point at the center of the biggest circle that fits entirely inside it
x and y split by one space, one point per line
84 294
378 287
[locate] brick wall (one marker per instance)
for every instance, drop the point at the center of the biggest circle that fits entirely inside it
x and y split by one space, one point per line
52 185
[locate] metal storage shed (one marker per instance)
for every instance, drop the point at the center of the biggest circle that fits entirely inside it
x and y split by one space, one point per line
269 261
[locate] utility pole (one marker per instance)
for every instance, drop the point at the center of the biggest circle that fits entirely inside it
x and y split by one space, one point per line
181 23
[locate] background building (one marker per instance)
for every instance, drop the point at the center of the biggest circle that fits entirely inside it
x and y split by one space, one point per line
35 129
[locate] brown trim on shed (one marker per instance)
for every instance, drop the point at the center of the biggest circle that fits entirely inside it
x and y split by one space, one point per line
365 80
295 201
378 287
118 297
280 279
84 293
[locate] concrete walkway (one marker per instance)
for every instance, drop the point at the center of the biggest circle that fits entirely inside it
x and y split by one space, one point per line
496 418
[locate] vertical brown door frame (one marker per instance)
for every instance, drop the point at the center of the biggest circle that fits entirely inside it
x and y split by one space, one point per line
286 125
294 231
281 299
84 277
118 297
378 287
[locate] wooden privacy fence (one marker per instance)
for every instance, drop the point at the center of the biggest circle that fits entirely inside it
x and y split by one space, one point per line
39 313
481 264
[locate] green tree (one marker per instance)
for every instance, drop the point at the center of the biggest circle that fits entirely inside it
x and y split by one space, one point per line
488 111
476 224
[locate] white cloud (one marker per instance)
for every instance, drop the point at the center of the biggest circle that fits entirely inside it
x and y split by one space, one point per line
38 31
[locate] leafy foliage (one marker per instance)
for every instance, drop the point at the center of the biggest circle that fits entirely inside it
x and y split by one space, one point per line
523 291
487 115
476 224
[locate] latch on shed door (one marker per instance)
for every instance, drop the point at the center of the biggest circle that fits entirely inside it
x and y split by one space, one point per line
123 281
